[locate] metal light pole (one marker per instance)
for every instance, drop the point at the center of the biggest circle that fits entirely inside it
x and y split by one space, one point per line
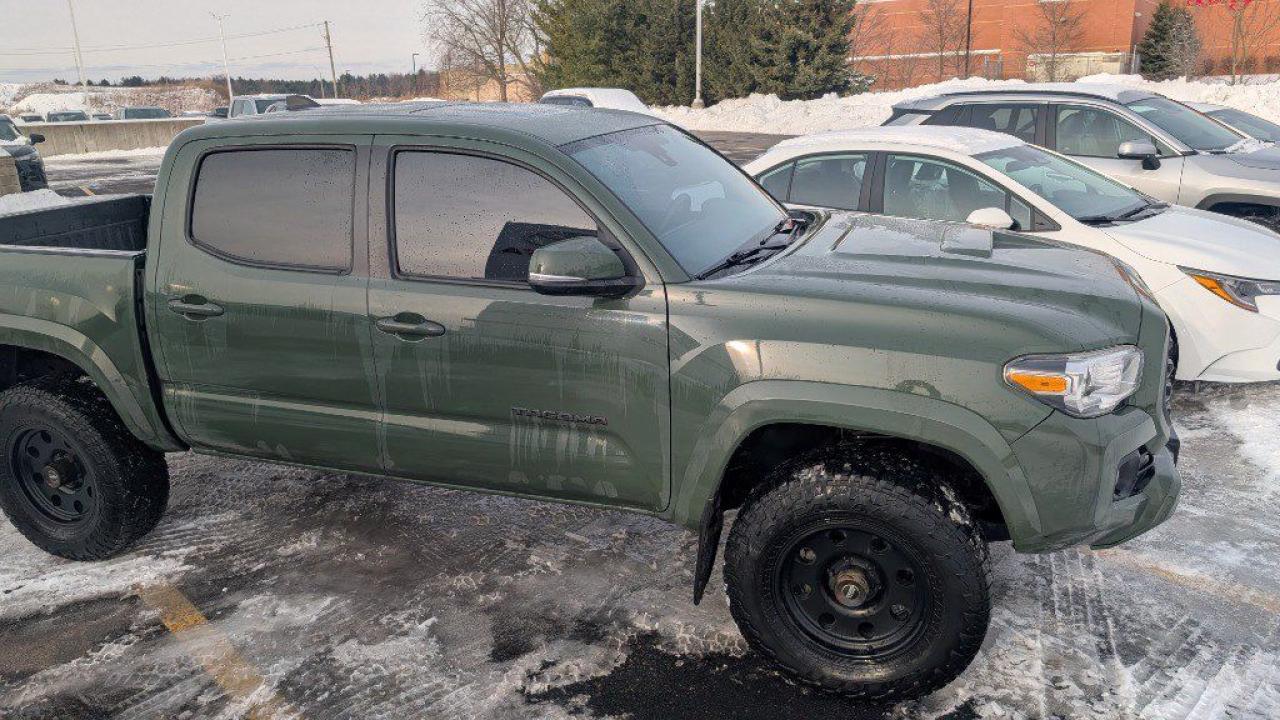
75 35
226 70
698 104
414 78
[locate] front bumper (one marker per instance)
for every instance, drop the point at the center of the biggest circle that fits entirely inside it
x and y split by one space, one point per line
1098 482
1219 342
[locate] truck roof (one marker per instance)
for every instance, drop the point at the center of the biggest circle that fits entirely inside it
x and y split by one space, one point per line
553 125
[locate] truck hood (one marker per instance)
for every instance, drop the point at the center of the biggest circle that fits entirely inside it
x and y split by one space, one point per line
1075 297
1204 241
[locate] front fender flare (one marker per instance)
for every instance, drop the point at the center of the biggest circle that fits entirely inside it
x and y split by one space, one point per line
696 497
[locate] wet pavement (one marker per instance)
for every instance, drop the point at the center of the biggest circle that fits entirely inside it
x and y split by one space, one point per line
270 591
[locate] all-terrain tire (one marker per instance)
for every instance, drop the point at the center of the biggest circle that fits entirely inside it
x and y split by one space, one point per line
908 511
119 486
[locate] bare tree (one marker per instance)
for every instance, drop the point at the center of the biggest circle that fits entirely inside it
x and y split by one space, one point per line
943 32
1057 31
1251 24
492 38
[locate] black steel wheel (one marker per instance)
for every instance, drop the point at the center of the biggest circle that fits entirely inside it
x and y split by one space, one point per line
858 571
853 590
73 480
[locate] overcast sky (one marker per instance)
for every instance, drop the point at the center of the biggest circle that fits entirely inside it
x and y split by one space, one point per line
368 36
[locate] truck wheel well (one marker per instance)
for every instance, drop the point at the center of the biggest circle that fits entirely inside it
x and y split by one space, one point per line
768 447
19 365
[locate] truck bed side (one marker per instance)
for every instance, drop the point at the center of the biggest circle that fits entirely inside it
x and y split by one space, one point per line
69 287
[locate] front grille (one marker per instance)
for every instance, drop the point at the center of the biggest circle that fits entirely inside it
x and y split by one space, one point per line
1136 472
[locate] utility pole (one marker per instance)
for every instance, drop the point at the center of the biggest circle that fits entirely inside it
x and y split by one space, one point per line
968 38
414 78
226 69
75 35
698 104
328 41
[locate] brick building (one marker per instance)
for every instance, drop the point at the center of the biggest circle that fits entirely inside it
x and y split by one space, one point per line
899 43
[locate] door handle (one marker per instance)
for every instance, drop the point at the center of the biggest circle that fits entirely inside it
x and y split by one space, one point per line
194 306
408 325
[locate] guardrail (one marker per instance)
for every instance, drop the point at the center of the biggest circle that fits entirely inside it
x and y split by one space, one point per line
66 138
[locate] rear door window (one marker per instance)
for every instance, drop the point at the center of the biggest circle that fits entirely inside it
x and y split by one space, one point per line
466 217
1017 120
289 208
829 181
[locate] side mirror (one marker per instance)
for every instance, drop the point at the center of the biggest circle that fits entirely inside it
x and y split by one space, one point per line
992 217
35 138
579 266
1140 150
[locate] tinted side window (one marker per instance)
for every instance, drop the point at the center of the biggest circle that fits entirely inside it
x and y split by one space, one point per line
1017 120
281 207
778 182
475 218
934 190
833 181
1090 132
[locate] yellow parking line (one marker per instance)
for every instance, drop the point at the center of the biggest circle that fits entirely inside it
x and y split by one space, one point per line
87 191
214 652
1204 584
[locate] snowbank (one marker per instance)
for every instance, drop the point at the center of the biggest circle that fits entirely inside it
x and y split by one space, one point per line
768 114
34 200
44 98
117 155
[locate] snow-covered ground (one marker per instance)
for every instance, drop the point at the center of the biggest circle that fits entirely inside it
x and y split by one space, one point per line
44 98
768 114
34 200
345 597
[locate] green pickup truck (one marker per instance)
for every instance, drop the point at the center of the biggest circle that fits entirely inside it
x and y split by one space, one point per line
593 306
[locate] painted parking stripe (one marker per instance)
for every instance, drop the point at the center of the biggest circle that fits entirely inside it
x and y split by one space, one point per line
215 652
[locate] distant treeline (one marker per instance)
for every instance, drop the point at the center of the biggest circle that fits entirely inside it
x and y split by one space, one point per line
359 87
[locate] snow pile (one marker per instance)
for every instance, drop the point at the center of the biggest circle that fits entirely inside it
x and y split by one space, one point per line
34 200
46 97
114 155
769 114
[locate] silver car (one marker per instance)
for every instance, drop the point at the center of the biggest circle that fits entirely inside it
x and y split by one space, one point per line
1157 145
1247 123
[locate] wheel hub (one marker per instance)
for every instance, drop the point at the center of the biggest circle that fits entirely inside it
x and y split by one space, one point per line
852 587
60 473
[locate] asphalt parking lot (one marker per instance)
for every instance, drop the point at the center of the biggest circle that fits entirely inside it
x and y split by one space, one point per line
278 592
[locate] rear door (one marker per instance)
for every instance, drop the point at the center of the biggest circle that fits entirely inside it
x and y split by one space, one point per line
259 309
487 383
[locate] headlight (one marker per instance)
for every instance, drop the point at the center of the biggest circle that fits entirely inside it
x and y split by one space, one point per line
1084 384
1241 292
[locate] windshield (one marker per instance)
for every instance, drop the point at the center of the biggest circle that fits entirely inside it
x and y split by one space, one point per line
1193 129
8 131
67 116
700 206
1251 124
1072 188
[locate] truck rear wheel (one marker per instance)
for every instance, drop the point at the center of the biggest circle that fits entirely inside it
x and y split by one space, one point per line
858 572
73 480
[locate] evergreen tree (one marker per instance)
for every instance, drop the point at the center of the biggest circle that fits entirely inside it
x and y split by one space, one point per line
801 48
1171 45
728 27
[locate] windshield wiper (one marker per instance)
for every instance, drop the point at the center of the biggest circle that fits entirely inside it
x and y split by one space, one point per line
751 255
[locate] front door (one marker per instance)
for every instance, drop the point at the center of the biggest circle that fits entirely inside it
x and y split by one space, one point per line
260 316
1092 136
489 384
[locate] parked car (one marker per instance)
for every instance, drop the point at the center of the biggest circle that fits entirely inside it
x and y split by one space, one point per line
22 148
250 105
68 116
1217 277
605 98
1158 146
142 113
30 118
1241 121
594 308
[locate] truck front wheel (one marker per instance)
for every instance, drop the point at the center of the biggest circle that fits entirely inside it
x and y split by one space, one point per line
859 572
73 480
